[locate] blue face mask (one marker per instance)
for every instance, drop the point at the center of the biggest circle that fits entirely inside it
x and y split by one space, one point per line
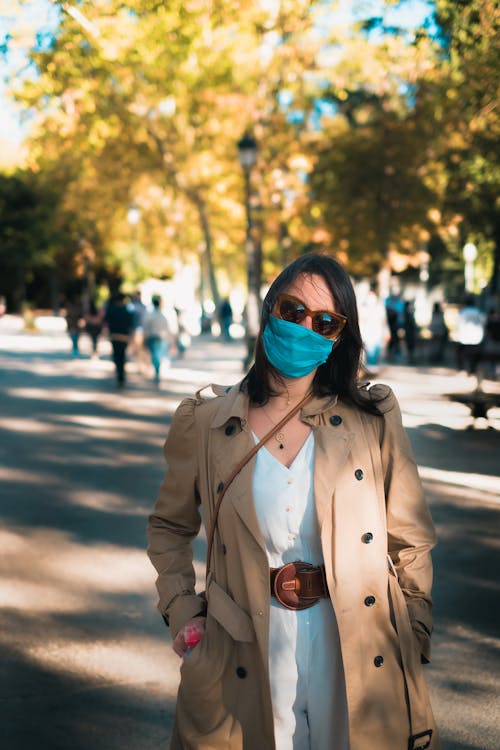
294 350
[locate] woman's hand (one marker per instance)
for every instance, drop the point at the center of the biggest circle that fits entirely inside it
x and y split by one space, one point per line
189 635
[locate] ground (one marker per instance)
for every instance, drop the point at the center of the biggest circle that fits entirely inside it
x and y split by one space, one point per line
87 663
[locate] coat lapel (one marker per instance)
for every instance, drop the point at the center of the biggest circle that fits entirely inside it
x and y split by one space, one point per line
332 446
228 451
240 495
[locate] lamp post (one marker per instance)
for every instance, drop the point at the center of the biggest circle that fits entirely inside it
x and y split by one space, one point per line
470 255
247 153
422 305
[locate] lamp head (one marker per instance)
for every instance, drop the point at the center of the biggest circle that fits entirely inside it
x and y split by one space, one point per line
247 151
470 252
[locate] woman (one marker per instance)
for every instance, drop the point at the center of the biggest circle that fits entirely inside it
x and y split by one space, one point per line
157 336
439 332
94 321
74 323
337 488
411 333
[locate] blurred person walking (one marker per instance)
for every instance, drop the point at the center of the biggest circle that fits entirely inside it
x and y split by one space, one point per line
317 612
183 337
469 335
439 333
94 322
491 343
119 320
75 323
137 348
157 336
373 327
411 331
394 306
225 318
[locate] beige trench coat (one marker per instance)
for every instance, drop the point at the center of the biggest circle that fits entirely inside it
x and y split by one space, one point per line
376 535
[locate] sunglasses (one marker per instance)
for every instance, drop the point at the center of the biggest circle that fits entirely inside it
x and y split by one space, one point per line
325 322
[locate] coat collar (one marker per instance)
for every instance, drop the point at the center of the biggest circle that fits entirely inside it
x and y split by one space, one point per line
234 405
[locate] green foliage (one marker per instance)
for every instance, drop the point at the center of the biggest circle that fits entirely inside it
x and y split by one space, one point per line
34 239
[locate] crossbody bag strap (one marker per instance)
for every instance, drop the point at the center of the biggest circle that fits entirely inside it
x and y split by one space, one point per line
236 470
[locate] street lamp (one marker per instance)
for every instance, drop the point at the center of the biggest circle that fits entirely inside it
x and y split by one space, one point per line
247 153
470 255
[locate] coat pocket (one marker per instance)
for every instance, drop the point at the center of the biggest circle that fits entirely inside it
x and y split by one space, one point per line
233 619
200 709
420 712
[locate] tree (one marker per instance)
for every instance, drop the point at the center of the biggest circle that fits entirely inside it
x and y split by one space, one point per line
372 156
36 239
360 139
461 95
128 115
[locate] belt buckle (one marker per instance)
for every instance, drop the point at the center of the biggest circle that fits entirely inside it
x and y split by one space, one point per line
285 586
421 743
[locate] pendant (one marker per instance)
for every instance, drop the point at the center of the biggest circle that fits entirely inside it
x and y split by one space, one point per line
280 437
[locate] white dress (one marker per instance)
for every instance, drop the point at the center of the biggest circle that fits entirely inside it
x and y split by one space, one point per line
305 663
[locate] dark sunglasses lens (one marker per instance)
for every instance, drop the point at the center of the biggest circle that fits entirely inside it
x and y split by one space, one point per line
327 325
291 311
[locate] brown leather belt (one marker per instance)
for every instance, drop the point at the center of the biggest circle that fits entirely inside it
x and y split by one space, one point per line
298 585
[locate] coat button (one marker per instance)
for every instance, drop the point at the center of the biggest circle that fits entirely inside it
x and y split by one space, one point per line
367 538
229 429
335 420
358 474
378 661
241 672
370 601
220 486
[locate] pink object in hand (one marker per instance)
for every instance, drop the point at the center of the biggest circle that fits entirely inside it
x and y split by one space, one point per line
192 636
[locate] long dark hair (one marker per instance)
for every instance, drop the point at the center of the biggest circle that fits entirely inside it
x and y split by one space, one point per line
339 374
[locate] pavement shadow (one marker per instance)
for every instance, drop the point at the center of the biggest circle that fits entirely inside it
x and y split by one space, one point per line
470 451
55 711
466 561
87 662
76 461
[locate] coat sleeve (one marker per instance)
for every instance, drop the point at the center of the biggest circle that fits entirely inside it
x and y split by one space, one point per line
411 534
175 522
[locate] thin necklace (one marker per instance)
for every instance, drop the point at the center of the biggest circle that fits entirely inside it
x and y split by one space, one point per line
278 436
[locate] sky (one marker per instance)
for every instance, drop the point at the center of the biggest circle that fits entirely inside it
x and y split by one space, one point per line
40 14
36 14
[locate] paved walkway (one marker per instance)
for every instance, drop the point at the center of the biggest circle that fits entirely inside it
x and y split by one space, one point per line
86 660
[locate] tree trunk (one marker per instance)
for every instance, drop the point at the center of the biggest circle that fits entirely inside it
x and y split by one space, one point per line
207 237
